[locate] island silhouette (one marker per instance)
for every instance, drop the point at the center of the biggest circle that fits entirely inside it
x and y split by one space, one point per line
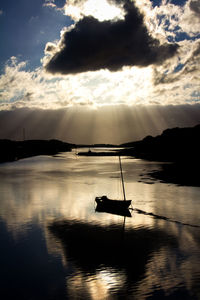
179 148
14 150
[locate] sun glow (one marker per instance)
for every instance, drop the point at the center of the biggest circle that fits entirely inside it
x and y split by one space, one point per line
102 10
99 9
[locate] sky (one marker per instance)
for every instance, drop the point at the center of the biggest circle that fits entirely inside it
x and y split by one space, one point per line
98 71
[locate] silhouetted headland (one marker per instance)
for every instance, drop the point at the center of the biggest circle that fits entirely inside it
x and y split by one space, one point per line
14 150
178 146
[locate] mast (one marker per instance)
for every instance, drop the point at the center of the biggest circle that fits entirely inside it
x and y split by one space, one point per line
122 178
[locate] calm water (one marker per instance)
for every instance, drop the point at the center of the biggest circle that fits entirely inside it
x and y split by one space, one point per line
53 245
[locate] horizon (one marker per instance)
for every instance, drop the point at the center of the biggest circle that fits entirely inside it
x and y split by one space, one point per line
23 139
106 125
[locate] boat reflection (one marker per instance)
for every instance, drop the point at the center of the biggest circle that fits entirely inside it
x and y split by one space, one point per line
91 249
102 208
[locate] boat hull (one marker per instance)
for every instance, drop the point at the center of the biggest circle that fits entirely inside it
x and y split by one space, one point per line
101 208
110 203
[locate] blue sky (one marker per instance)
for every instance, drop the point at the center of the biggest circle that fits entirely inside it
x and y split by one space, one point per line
46 61
26 27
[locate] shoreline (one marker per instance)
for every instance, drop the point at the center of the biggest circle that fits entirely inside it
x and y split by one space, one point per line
178 173
11 151
181 173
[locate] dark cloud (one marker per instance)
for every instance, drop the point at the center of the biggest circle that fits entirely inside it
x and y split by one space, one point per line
92 45
195 7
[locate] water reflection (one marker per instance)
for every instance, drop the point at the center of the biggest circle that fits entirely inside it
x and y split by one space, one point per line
51 234
113 256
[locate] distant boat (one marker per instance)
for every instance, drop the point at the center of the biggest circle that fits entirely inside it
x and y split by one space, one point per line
104 203
93 153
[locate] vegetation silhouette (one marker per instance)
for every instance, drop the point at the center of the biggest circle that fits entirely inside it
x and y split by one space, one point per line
178 146
14 150
173 145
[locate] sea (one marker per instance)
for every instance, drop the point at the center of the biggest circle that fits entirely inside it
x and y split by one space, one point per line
55 244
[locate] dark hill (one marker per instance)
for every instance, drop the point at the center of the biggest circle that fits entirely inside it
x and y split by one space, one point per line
176 144
14 150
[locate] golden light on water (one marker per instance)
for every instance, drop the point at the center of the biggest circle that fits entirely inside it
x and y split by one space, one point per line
98 286
55 196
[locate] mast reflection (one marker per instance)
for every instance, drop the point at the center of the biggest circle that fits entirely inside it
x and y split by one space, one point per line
91 249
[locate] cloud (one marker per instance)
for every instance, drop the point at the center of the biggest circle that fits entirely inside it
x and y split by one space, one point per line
50 48
190 19
131 86
50 3
91 45
100 9
195 7
20 87
188 66
171 20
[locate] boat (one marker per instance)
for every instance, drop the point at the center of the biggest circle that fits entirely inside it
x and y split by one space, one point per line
93 153
104 200
104 203
113 209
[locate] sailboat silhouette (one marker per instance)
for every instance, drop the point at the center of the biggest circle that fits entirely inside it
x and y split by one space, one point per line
114 206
